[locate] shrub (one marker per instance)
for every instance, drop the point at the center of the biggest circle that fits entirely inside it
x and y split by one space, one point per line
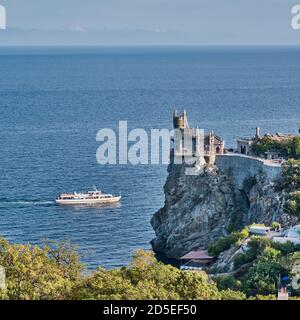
230 228
221 245
232 295
284 248
242 235
265 297
292 206
258 244
241 259
275 225
225 282
255 247
224 243
290 177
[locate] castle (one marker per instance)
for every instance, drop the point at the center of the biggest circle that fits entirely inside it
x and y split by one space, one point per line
240 163
192 142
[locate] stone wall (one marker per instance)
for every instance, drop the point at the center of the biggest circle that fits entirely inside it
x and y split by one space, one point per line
241 167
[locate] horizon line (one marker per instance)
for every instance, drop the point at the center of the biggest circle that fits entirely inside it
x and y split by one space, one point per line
144 45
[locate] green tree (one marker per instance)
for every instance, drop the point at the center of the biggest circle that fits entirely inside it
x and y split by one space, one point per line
295 147
291 263
145 278
225 282
224 243
105 285
35 273
290 178
263 276
232 295
288 147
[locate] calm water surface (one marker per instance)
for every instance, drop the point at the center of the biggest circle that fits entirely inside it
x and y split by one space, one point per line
54 100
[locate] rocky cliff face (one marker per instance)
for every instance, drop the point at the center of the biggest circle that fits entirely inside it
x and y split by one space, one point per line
200 208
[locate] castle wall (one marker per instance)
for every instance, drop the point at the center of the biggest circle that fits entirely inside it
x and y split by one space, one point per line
242 167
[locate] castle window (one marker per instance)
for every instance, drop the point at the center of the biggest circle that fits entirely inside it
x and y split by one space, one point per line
243 149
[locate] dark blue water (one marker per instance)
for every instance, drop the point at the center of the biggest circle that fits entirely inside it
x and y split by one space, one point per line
53 102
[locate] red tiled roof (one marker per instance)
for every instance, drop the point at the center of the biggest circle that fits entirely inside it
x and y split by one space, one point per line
197 255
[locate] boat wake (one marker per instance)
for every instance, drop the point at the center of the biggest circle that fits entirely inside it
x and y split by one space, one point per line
13 202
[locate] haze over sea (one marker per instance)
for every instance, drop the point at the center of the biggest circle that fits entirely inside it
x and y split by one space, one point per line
53 101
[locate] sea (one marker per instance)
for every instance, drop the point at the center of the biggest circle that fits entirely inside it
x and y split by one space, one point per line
54 100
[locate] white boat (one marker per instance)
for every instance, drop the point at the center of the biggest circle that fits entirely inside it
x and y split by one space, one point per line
90 197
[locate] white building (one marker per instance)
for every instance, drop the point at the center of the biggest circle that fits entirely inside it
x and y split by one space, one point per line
290 235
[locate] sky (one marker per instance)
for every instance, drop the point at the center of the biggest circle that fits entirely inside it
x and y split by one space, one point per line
149 22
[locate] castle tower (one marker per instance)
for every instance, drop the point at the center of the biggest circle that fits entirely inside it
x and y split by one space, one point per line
180 122
257 133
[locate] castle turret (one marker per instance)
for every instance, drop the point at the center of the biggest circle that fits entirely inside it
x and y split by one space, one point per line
191 142
180 122
257 133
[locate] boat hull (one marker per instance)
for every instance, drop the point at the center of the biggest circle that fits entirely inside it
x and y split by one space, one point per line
87 201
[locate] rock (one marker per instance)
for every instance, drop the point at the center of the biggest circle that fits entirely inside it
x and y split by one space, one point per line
201 208
225 262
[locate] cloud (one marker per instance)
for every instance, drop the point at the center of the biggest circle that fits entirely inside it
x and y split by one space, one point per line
77 29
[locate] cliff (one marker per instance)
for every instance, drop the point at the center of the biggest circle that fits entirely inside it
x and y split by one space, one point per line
200 208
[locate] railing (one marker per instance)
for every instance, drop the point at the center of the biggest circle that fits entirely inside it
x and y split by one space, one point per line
275 162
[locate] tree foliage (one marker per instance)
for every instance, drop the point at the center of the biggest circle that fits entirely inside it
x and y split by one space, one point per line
32 272
287 147
262 278
224 243
290 178
145 278
290 182
54 271
255 247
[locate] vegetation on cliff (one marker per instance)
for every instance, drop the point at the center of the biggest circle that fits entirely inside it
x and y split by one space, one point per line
54 271
287 147
290 183
224 243
258 269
